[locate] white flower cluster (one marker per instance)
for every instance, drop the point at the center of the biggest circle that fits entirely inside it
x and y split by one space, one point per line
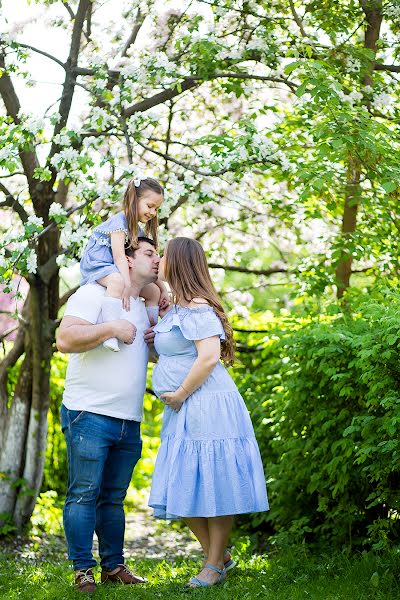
68 163
30 123
99 118
65 261
9 153
34 220
264 147
353 65
70 237
383 101
252 147
56 210
257 43
66 156
31 262
392 10
62 139
351 98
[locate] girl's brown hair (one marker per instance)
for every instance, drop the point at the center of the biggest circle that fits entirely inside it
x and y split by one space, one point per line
187 273
130 206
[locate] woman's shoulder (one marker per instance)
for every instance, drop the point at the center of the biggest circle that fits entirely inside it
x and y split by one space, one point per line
197 302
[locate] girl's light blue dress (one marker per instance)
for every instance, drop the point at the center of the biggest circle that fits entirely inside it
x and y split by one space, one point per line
97 260
208 463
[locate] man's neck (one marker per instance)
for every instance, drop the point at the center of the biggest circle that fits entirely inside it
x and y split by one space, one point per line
136 288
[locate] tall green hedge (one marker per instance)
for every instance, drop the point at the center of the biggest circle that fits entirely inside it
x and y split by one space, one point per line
325 401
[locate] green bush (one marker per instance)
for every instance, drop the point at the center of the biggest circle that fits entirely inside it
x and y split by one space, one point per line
325 401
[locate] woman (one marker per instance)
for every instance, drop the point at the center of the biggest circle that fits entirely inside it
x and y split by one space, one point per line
208 466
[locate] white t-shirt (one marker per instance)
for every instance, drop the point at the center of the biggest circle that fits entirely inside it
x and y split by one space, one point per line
99 380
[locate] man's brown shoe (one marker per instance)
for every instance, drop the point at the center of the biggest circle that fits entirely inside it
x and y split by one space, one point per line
84 581
121 575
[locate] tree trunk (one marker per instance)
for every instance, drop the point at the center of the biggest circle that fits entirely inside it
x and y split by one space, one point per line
23 428
373 17
349 224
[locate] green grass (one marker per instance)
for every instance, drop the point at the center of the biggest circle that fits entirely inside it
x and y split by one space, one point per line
288 576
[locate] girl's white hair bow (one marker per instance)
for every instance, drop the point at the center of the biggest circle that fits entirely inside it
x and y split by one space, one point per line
138 179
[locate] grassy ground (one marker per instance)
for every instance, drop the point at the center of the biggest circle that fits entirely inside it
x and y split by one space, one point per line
34 566
288 576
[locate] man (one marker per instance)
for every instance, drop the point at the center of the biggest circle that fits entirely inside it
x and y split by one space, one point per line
100 416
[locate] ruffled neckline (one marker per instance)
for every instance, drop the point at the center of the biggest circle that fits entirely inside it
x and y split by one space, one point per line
197 309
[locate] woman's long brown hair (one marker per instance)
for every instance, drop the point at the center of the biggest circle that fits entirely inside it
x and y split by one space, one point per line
187 273
130 206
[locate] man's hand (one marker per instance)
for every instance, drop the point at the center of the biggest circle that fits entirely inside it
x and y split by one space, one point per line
124 330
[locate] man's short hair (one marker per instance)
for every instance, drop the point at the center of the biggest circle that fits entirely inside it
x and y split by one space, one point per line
131 251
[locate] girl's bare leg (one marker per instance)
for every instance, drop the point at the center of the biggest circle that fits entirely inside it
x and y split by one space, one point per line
111 306
114 285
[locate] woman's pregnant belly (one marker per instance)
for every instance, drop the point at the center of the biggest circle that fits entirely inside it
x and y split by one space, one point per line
170 372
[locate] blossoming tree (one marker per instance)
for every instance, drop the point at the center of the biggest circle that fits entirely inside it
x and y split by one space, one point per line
264 120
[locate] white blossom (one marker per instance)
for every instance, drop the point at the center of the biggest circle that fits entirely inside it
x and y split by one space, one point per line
355 96
66 155
62 139
64 261
56 210
34 220
99 117
256 43
104 191
392 10
8 152
31 262
382 101
353 65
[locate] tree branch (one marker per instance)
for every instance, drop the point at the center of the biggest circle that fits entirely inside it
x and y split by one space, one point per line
11 202
136 28
8 332
265 272
194 169
160 98
69 9
70 65
7 91
391 68
297 19
43 53
233 75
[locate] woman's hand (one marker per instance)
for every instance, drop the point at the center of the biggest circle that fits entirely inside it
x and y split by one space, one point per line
175 399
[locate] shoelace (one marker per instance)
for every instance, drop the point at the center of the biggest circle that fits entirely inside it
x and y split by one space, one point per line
127 570
85 577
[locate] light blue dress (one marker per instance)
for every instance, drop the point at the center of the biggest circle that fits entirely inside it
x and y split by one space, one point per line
97 260
208 463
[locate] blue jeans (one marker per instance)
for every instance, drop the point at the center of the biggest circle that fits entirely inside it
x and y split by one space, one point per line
102 452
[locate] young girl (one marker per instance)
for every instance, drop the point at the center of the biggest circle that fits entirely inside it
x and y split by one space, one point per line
104 259
208 466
